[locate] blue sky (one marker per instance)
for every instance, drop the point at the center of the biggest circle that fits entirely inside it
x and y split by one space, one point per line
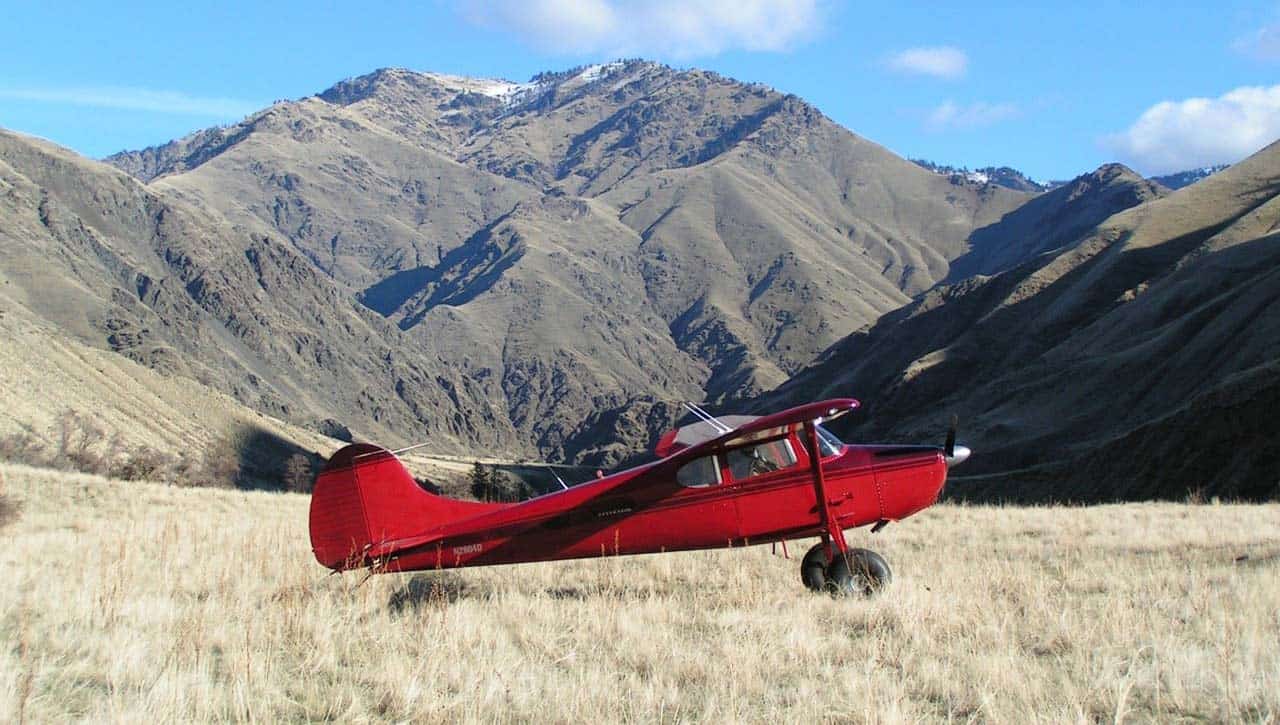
1054 91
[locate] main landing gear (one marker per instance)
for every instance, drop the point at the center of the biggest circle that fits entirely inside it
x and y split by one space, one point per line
858 572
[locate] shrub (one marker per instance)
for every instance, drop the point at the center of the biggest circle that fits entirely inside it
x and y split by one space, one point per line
8 507
23 447
8 511
142 463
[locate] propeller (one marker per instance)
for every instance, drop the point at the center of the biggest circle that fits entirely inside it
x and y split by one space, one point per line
952 453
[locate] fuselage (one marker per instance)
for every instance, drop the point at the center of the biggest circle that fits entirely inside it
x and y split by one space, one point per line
661 507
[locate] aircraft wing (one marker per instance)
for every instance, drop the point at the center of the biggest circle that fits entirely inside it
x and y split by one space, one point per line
769 426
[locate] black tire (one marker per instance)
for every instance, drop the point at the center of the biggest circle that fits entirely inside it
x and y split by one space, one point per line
860 573
813 569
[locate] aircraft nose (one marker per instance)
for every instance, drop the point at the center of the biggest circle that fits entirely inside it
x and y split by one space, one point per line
959 454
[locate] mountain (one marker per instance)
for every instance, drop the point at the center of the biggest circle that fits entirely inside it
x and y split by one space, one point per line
521 268
547 268
1137 360
1004 176
92 254
1011 178
1187 178
1053 219
588 240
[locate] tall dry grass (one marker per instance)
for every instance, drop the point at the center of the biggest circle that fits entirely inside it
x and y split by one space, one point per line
139 602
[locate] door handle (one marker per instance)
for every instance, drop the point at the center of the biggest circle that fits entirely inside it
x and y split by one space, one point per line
840 499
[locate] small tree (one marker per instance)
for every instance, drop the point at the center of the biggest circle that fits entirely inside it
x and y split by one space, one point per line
297 473
79 444
222 462
481 482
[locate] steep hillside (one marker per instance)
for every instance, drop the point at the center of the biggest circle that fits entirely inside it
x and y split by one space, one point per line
585 241
1138 360
107 261
1049 221
45 375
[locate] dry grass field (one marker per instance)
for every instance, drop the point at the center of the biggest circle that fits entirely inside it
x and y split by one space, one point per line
139 602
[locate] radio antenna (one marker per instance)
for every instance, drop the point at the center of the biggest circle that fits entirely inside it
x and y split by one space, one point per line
559 480
706 417
394 453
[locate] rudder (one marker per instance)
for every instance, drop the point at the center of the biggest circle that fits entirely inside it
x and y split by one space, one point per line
364 497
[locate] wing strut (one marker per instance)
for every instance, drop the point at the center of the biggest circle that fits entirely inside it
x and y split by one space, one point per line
832 535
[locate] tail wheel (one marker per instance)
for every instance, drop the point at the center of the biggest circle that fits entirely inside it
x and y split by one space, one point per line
813 569
861 572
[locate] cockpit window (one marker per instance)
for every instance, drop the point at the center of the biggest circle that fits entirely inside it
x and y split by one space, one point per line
828 443
764 458
700 472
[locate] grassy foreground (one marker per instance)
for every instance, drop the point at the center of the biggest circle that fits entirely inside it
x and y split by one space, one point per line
138 602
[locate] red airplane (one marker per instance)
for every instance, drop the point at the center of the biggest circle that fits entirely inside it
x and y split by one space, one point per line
720 482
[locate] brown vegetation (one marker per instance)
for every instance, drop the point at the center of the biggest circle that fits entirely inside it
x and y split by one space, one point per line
8 507
176 604
243 457
8 510
75 442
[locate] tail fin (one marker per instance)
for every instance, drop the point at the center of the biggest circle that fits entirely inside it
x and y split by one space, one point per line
364 498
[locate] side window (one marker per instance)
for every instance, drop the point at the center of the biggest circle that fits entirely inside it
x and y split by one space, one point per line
699 473
763 458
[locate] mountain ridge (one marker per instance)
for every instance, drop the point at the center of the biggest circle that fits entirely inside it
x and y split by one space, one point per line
1058 365
565 248
547 268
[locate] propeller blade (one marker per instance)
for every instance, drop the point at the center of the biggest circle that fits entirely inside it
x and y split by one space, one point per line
952 453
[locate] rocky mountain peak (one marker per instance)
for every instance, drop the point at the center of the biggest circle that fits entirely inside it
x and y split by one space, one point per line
1113 170
1116 179
389 81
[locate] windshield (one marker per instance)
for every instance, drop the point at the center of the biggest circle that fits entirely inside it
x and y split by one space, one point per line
828 443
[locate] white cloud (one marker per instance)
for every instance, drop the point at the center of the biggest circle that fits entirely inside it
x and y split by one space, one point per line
135 99
1178 135
952 115
940 62
1262 44
662 27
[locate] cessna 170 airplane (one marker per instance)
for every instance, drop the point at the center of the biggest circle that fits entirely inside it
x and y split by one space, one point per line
720 482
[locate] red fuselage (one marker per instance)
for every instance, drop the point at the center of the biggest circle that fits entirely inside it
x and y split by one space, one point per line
638 511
